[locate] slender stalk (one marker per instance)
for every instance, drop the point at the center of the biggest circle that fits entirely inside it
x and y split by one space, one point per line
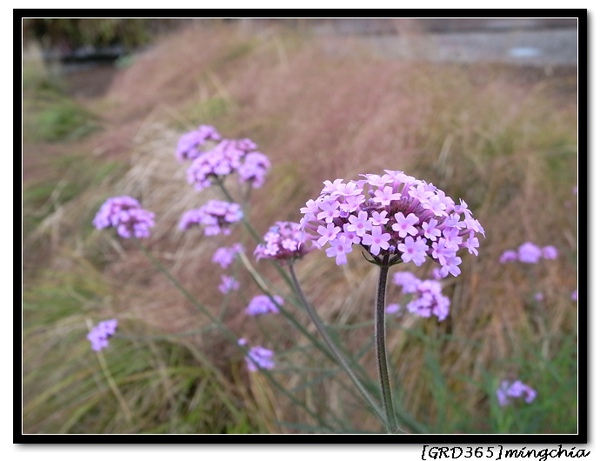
334 349
252 230
113 386
384 379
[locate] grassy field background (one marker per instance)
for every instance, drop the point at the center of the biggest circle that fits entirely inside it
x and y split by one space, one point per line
502 138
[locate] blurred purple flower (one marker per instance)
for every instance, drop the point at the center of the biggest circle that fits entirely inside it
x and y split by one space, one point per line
393 308
224 256
228 284
215 217
190 144
508 391
284 241
262 304
508 256
227 157
258 357
549 252
574 295
428 300
427 297
529 253
407 280
126 215
100 334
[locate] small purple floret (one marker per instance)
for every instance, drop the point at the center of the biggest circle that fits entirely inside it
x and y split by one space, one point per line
100 334
262 304
258 357
508 392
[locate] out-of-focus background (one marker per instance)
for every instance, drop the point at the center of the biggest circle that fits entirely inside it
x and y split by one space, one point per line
485 109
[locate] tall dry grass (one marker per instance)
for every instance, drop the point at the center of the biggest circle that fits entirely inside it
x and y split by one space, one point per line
505 144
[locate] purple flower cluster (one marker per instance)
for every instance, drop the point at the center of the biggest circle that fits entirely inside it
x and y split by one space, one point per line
516 390
529 253
284 241
258 357
100 334
227 157
224 256
427 298
190 145
398 218
228 284
215 217
126 215
262 304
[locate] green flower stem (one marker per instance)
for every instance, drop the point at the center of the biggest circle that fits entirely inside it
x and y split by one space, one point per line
262 284
113 386
384 378
226 332
336 352
252 231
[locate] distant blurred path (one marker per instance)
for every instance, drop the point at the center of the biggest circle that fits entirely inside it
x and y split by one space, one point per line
534 42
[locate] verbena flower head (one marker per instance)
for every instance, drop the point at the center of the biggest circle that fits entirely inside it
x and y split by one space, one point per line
228 284
529 253
224 256
215 217
509 391
125 214
258 357
549 252
427 298
228 157
192 144
99 335
262 304
284 241
393 308
508 256
395 218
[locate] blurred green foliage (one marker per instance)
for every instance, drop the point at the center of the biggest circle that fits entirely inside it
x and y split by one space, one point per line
73 33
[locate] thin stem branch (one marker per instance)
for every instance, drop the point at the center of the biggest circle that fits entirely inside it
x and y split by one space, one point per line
332 346
112 384
223 328
252 230
384 378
